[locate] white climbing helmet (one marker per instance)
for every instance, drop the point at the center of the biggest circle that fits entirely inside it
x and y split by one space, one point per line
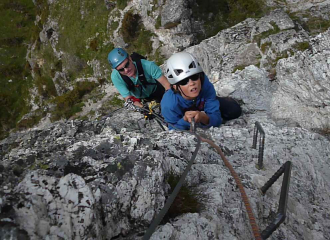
180 66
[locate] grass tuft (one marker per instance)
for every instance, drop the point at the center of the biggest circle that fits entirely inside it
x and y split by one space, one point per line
16 27
302 46
70 103
187 200
217 15
135 34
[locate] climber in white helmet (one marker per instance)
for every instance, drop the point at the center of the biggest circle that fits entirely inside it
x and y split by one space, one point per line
192 96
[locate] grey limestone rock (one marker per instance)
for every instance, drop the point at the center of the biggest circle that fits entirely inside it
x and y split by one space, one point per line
107 178
173 12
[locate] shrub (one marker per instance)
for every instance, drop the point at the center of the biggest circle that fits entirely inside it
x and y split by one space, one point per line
158 22
158 57
130 26
302 46
93 44
186 201
143 42
317 25
101 81
239 67
45 86
217 15
134 33
114 25
239 10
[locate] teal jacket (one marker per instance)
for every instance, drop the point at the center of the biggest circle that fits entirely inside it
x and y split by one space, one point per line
151 71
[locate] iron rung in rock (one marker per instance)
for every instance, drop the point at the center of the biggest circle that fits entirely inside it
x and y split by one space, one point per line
258 129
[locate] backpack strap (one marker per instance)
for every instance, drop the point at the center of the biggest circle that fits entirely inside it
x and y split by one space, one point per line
137 59
142 78
130 85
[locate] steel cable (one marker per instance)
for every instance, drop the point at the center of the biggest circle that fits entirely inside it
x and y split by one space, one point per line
254 226
158 219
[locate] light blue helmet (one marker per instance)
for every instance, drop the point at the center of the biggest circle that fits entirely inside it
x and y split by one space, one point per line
117 56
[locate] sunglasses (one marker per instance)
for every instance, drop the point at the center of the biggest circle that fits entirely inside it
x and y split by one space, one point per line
126 66
184 81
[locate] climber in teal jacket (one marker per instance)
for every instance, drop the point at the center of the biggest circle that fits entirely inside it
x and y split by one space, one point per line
136 78
192 96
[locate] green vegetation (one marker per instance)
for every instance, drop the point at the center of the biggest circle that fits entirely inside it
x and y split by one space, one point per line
265 46
264 35
138 38
158 22
116 102
39 165
186 201
17 30
280 56
45 86
154 5
114 25
108 106
70 103
302 46
171 25
221 14
239 67
131 25
121 4
82 33
135 34
84 44
314 25
158 58
30 121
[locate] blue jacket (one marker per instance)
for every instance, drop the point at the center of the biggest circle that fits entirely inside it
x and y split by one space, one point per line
174 106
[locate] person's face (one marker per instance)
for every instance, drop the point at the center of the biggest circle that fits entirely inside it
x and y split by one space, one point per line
190 87
127 68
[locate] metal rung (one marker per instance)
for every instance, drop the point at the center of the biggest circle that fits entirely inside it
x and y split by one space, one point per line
281 214
258 129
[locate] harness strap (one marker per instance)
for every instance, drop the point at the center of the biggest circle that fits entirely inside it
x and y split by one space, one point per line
141 75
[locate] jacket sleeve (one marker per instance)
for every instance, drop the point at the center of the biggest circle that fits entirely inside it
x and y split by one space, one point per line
212 106
120 84
172 112
155 71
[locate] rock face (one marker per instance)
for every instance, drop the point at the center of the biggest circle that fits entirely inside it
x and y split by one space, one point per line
93 182
304 85
109 178
300 92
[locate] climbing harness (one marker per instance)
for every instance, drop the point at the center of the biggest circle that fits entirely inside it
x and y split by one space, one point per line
150 114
